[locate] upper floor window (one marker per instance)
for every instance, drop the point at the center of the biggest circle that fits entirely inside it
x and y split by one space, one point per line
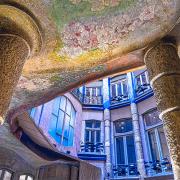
119 88
156 141
142 82
62 121
93 131
93 91
152 118
25 177
123 126
5 174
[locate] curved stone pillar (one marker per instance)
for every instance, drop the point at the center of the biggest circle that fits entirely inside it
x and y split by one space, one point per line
163 65
14 50
20 38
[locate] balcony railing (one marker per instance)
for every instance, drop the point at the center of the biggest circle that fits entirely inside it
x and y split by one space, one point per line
87 100
158 167
119 99
121 170
142 83
78 94
89 147
94 100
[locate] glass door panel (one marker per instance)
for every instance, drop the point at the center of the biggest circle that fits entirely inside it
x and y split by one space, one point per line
130 149
153 145
120 150
163 142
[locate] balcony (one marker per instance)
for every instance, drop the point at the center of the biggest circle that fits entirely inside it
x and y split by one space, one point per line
77 94
93 100
157 167
123 170
92 151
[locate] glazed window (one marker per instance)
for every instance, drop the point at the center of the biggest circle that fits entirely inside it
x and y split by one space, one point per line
25 177
5 174
123 126
62 121
93 91
93 131
156 140
125 148
119 88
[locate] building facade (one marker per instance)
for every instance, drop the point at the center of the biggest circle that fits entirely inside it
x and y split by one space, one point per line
111 123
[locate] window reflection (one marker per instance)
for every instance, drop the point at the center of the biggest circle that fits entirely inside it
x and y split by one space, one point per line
5 174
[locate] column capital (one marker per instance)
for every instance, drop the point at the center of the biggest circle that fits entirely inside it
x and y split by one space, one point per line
18 22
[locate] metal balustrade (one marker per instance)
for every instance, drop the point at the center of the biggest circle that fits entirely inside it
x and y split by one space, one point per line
89 147
142 83
76 92
121 170
87 100
158 167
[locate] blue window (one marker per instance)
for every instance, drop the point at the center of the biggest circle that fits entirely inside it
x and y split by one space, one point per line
63 119
36 113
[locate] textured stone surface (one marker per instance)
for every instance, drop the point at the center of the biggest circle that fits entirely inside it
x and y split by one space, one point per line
13 52
81 40
163 65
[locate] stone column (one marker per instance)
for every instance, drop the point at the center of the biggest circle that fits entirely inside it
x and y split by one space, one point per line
137 140
163 65
136 126
14 50
107 123
19 38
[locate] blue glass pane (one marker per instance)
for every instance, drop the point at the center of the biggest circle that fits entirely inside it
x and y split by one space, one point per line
32 112
65 142
56 104
97 124
73 116
113 89
37 115
60 122
52 128
120 151
66 126
130 149
87 136
119 90
68 108
63 103
123 126
71 136
89 124
97 136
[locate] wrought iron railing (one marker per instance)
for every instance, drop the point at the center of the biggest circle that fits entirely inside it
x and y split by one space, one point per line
87 100
93 100
119 99
120 170
142 83
77 93
89 147
158 167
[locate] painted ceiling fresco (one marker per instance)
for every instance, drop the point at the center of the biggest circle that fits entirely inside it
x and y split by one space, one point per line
84 40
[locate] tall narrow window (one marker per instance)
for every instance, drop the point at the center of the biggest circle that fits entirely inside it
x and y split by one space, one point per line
63 120
156 141
125 148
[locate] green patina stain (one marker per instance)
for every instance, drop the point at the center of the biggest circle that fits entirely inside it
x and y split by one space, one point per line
63 11
55 79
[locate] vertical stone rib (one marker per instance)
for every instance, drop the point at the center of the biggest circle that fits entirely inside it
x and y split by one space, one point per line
163 65
13 52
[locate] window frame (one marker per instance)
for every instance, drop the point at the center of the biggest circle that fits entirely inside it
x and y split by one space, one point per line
3 169
93 129
153 128
124 136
